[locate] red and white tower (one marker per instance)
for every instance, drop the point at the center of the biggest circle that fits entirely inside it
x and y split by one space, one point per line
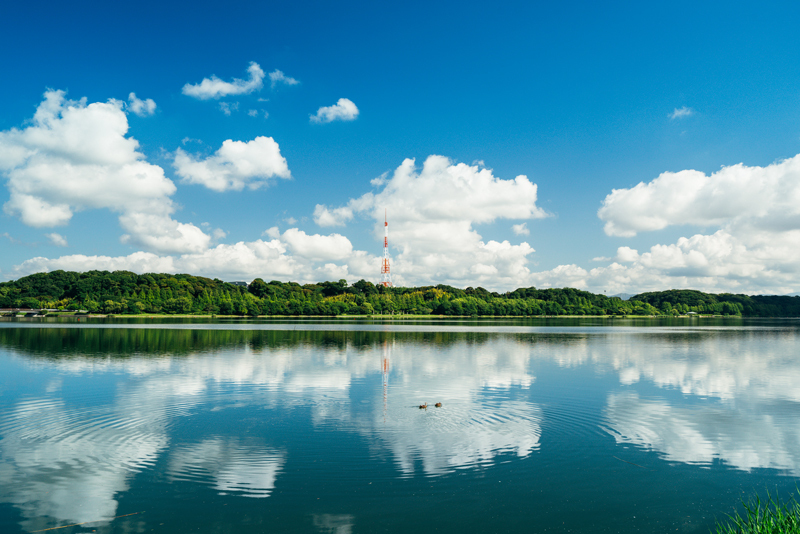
385 373
386 275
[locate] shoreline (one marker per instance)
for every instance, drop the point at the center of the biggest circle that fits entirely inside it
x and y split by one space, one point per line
372 316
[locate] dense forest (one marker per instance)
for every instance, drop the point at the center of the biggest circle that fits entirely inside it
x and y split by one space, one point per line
124 292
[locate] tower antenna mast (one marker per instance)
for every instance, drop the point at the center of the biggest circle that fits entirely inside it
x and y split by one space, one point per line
386 275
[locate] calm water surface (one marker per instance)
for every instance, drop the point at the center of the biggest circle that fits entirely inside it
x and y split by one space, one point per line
286 426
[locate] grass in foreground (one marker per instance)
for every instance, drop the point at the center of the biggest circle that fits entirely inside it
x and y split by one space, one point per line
770 517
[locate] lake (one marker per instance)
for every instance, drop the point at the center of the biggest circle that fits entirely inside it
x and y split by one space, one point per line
252 426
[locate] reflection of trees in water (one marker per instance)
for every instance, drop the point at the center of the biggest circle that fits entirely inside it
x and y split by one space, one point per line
60 343
54 342
121 343
57 342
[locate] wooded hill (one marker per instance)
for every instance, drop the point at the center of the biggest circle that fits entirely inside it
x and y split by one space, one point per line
124 292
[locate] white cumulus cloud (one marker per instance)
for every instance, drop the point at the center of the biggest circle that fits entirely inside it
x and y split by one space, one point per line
228 107
627 254
432 212
74 157
343 110
235 165
276 77
57 239
520 229
324 216
215 88
317 247
752 212
681 113
160 233
139 262
293 255
717 263
763 197
140 107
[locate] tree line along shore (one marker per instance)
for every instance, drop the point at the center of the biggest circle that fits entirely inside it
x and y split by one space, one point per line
124 292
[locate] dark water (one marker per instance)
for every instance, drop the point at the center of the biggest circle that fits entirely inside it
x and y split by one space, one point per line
571 426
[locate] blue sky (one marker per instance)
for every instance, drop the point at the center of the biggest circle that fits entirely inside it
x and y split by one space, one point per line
583 101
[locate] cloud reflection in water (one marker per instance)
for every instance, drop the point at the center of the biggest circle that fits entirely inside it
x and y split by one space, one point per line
62 461
246 470
745 437
741 399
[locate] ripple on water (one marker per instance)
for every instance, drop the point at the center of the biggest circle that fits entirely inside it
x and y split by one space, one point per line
462 434
67 461
228 465
571 420
122 436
